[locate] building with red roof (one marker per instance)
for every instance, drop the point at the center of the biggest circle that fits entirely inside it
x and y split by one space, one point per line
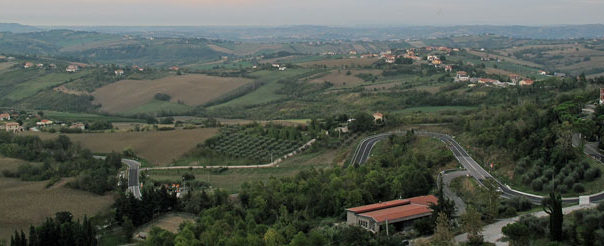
401 212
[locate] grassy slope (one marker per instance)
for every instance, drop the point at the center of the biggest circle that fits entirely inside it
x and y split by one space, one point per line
267 92
232 179
33 86
159 106
65 116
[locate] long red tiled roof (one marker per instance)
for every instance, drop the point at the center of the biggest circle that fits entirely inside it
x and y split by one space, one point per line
381 205
424 200
399 212
418 200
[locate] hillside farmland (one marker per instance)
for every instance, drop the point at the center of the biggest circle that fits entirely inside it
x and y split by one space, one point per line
167 145
191 90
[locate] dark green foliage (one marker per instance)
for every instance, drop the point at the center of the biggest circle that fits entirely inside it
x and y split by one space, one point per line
367 77
162 97
167 120
518 234
59 231
362 122
154 202
99 125
553 207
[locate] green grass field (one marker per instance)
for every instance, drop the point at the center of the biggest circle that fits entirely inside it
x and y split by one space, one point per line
432 109
65 116
159 106
31 87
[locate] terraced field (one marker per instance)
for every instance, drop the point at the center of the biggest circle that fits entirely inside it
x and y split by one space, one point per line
259 148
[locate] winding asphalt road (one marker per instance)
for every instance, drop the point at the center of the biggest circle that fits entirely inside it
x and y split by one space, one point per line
133 174
474 169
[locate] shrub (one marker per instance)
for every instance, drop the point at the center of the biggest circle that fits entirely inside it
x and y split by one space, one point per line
578 188
162 97
537 184
509 212
592 173
569 181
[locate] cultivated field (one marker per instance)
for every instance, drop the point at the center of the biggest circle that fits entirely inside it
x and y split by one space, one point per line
10 164
340 78
193 89
157 147
342 62
168 222
6 65
25 203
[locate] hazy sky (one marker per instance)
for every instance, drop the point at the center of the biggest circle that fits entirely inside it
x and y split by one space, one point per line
299 12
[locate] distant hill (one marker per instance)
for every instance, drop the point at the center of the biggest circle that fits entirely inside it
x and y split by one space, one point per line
314 33
17 28
107 48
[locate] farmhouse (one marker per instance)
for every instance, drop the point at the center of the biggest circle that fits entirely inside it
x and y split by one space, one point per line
487 81
5 116
44 123
448 68
174 68
377 117
401 213
282 68
78 125
28 65
526 82
389 58
515 78
462 76
13 127
72 68
119 72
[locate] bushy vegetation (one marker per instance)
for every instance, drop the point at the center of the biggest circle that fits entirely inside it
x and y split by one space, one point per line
582 227
538 138
60 158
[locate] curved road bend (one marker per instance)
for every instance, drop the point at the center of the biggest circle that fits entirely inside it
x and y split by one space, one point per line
447 177
133 174
364 150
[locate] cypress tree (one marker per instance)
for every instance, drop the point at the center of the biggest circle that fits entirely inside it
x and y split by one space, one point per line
553 207
32 236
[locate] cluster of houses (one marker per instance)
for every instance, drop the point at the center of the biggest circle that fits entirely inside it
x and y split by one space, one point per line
515 79
28 65
175 189
72 68
9 126
279 67
5 58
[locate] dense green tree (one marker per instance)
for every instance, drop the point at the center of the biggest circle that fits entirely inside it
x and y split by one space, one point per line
518 234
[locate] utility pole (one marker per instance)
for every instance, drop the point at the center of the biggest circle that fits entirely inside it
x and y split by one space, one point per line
387 234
